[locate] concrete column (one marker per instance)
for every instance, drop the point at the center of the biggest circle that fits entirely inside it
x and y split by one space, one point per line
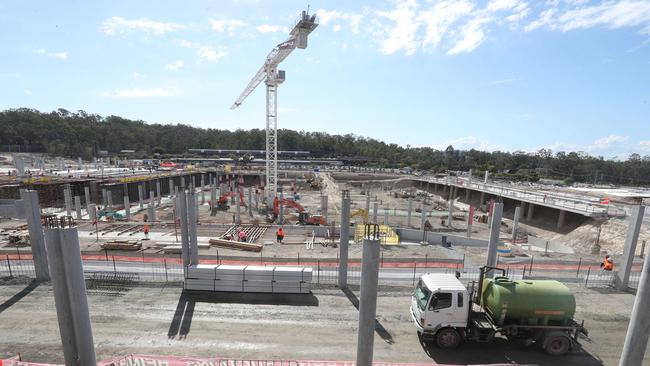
171 187
365 219
77 206
622 278
385 216
109 199
70 299
493 241
323 206
467 195
482 199
408 214
281 206
486 176
238 208
531 208
191 225
151 212
158 192
375 209
515 224
67 198
213 197
368 301
257 202
92 211
127 207
444 190
182 182
87 195
141 196
152 198
560 219
636 339
344 239
36 238
202 192
222 189
181 204
250 201
450 214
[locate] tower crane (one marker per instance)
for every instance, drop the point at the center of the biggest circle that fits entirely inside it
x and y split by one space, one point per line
273 77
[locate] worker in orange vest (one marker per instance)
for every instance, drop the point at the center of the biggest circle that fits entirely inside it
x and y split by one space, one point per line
280 235
146 231
608 264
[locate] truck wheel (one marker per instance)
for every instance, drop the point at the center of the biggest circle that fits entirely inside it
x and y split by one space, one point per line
448 338
557 344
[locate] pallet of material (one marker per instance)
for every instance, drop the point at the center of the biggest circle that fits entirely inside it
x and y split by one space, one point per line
255 279
231 244
122 245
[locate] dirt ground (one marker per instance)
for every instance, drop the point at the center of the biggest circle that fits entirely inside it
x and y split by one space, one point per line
320 326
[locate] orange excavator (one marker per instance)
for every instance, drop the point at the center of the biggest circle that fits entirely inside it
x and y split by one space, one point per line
304 217
222 203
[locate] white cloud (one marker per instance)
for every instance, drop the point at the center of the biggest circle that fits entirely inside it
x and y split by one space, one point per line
401 35
330 16
137 76
644 146
229 26
118 25
28 92
608 142
469 142
473 34
608 14
505 81
208 53
57 55
461 25
176 65
188 44
336 28
266 28
141 93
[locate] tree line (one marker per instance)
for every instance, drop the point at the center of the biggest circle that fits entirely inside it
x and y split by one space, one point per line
79 134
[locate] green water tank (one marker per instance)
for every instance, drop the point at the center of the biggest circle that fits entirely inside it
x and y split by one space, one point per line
528 302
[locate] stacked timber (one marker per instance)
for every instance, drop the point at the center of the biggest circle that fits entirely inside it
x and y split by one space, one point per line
254 279
231 244
122 245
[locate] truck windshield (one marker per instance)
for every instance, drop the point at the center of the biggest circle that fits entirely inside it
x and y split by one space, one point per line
422 294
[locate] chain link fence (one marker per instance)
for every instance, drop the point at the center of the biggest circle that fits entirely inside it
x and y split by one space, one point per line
116 272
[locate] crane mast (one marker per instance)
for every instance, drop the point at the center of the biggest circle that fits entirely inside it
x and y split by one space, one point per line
272 77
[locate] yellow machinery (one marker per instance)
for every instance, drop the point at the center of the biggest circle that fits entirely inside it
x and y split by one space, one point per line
359 212
387 235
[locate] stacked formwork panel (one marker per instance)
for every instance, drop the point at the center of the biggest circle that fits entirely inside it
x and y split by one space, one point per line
256 279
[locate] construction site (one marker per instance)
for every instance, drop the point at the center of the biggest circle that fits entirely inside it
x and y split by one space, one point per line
292 260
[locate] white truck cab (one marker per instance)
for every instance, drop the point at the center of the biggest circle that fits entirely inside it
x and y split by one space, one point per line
440 301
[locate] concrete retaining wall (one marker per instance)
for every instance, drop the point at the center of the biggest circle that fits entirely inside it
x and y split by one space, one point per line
412 235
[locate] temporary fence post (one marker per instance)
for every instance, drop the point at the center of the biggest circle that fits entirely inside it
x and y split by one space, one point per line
578 271
415 266
142 256
114 268
587 278
426 261
318 273
106 254
18 251
165 263
382 260
530 270
298 258
9 265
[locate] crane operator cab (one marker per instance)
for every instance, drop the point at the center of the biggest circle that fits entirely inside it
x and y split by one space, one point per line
440 308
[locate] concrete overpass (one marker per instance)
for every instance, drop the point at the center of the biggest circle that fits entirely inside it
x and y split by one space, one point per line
527 199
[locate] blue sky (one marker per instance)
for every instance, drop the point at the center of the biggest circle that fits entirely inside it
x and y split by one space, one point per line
497 74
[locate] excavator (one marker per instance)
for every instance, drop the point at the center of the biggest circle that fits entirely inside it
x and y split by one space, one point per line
359 212
222 203
304 217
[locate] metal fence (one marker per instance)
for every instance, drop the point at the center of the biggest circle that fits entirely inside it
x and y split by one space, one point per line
108 273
